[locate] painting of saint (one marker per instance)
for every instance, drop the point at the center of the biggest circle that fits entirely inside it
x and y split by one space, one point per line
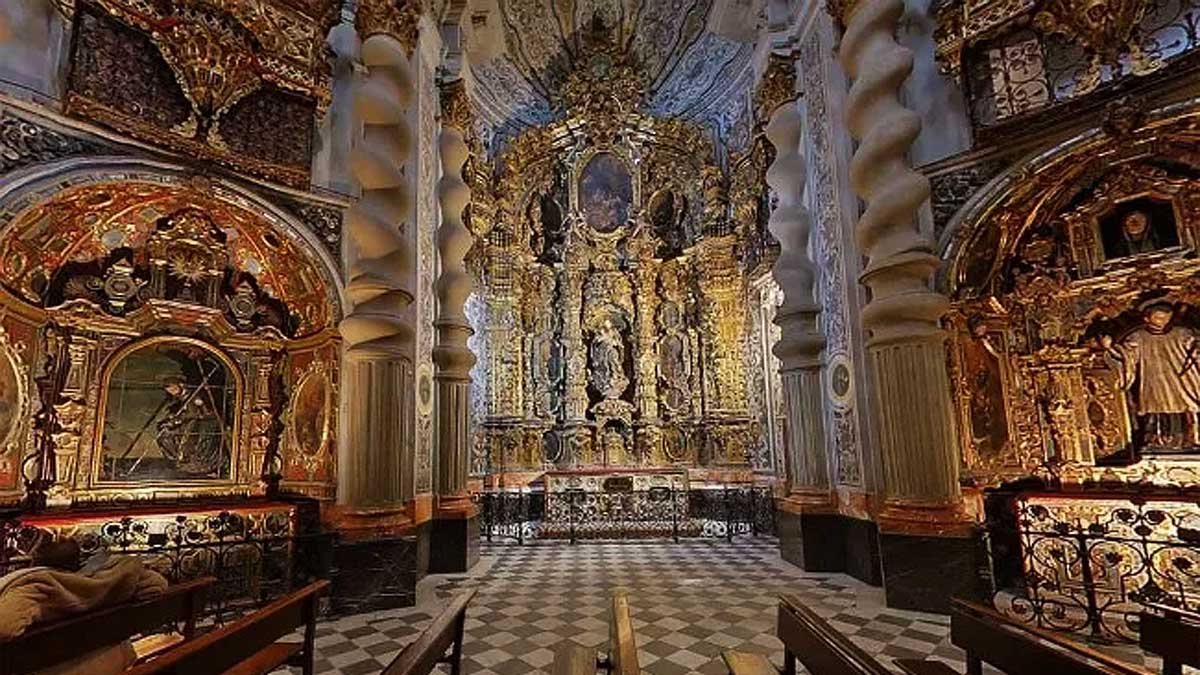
605 192
1157 366
1138 226
169 415
310 413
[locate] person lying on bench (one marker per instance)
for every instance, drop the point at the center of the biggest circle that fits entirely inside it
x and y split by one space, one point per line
60 585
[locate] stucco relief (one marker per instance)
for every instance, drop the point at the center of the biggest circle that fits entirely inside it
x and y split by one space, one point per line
833 294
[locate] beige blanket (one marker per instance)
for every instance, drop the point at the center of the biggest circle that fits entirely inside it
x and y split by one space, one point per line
40 594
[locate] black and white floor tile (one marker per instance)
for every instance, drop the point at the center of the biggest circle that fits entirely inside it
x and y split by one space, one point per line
689 602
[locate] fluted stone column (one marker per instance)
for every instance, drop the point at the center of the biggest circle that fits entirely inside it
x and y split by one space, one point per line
375 466
906 347
456 536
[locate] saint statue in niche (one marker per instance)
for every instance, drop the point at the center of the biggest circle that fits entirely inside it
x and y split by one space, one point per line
1138 226
168 415
1157 364
608 361
605 192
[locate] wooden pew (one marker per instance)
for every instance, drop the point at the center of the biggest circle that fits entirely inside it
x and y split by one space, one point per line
422 655
810 639
248 646
1174 635
622 648
54 643
1019 649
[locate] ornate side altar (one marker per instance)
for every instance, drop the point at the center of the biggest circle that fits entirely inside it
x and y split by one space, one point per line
1075 315
609 314
162 343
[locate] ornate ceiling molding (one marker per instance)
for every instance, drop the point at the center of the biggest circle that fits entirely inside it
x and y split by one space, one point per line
663 56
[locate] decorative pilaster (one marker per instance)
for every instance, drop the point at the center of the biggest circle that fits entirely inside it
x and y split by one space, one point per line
801 342
726 413
906 348
375 467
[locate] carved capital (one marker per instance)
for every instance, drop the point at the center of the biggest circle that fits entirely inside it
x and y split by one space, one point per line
456 109
397 18
777 86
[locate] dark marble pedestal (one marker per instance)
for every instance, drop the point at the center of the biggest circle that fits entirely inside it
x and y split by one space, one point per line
454 545
378 573
830 542
924 573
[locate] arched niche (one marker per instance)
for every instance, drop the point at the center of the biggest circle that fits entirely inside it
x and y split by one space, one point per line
1054 270
100 255
169 412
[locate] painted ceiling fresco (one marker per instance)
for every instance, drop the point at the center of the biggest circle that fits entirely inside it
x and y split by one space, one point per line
690 71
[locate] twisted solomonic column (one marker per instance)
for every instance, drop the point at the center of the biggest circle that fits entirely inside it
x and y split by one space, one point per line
451 355
906 348
376 464
800 342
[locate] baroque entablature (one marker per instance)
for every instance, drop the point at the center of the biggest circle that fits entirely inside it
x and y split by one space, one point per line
1054 271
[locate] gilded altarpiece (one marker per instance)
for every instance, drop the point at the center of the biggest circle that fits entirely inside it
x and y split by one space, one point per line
1075 311
610 307
161 343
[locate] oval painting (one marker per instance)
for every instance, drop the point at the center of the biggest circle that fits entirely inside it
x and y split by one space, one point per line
310 413
605 192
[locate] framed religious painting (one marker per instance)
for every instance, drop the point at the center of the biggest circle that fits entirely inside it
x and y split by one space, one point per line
169 412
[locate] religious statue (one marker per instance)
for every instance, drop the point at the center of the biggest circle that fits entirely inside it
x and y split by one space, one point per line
1138 231
608 361
1157 363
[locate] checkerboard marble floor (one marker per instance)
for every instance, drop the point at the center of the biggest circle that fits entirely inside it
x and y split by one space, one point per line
689 602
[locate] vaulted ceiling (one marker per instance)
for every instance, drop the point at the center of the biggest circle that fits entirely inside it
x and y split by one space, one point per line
696 56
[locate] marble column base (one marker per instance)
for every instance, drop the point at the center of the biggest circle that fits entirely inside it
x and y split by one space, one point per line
923 573
453 545
830 542
375 574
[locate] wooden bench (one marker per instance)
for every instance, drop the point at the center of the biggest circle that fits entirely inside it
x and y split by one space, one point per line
1174 635
810 639
1016 648
622 648
58 642
422 655
250 645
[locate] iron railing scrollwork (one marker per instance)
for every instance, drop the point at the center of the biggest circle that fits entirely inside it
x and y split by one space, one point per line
253 559
658 512
1089 566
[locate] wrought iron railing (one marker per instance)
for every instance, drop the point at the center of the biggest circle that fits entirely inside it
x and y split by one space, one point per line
1089 566
253 562
659 512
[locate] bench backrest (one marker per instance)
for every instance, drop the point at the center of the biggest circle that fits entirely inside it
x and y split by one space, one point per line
224 648
1174 636
60 641
1017 649
422 655
623 656
818 646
